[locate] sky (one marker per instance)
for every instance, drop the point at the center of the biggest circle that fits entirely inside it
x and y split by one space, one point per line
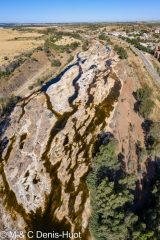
57 11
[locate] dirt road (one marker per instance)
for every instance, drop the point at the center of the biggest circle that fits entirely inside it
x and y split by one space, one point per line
31 80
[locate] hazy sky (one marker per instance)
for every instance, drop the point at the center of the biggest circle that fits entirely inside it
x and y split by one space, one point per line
40 11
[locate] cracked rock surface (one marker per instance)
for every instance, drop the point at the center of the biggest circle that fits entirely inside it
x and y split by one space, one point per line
51 139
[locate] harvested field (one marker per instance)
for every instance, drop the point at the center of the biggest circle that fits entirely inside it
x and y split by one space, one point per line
10 45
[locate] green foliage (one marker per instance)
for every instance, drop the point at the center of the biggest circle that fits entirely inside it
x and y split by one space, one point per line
108 41
34 59
121 52
74 45
106 157
55 63
85 45
39 82
28 54
70 59
155 130
136 43
144 93
153 139
146 107
55 38
71 34
6 58
30 87
112 198
5 74
102 37
7 104
110 218
61 48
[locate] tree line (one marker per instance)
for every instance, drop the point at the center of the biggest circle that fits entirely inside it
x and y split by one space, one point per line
117 211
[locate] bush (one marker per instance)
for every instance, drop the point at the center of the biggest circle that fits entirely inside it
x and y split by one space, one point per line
34 59
102 37
74 45
55 63
8 103
30 87
146 107
6 58
143 93
70 59
39 82
121 52
28 54
39 48
85 46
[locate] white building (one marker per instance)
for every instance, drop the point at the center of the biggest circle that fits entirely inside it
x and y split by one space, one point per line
156 30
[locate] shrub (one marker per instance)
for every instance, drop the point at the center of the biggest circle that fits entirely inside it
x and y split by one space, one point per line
28 54
34 59
8 103
74 45
121 52
70 59
146 107
39 48
6 58
85 45
143 93
30 87
39 82
55 63
102 37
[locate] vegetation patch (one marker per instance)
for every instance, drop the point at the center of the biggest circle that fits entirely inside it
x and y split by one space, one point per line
116 213
7 104
144 103
121 52
55 63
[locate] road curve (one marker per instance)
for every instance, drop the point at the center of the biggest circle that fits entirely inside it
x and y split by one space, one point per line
145 61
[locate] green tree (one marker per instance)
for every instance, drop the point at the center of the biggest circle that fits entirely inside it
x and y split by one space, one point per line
74 45
146 107
144 93
102 37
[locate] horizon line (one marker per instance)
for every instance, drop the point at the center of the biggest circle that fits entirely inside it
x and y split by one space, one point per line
78 22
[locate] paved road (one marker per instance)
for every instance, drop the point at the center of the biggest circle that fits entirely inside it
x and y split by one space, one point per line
144 59
147 63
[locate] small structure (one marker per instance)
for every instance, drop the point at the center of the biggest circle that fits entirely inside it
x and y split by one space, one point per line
86 37
156 31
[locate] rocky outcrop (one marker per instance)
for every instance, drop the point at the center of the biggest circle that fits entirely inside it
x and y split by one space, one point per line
51 142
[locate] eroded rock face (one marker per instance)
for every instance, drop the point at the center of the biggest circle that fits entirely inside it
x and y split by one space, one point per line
51 143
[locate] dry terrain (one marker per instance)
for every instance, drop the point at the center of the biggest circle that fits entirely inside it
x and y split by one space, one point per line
13 42
35 65
66 40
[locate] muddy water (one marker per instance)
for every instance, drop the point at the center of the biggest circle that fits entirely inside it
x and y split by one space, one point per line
75 84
